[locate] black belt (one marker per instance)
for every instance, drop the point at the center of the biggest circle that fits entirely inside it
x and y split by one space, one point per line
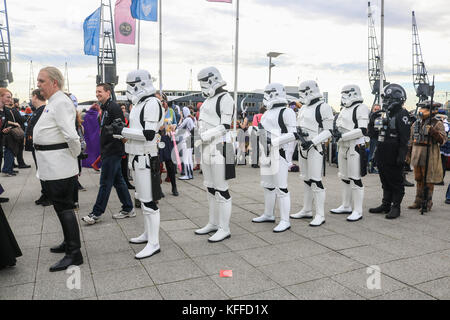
51 147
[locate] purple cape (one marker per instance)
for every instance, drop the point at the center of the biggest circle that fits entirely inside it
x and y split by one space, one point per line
92 137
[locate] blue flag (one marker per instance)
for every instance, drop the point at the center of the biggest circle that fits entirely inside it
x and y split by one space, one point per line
91 28
144 9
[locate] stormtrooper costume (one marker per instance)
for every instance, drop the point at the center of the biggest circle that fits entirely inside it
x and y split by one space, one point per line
315 119
278 128
351 127
185 129
214 122
146 117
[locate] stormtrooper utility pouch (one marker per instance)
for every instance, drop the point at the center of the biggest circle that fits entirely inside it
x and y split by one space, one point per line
155 178
363 159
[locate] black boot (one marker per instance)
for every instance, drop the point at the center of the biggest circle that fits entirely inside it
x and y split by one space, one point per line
406 183
137 203
395 210
385 204
175 191
59 249
72 238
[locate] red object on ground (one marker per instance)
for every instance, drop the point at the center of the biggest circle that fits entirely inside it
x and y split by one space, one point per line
226 273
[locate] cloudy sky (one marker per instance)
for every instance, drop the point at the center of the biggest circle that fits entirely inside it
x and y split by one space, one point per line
324 40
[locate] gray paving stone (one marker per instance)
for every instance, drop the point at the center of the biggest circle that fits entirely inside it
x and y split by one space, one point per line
291 272
322 289
192 289
439 288
113 261
19 292
244 241
357 281
264 256
59 290
331 263
149 293
369 255
182 224
103 246
29 241
23 272
275 294
338 242
405 294
418 269
277 238
173 271
203 248
244 283
101 232
121 280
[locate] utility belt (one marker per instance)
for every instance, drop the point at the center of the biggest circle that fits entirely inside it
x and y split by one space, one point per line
51 147
424 144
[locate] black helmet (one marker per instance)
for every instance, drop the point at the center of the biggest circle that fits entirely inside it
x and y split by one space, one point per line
394 95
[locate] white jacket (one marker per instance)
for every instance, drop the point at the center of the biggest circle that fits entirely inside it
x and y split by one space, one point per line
57 125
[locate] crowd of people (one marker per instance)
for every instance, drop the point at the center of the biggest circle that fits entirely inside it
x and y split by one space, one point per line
131 145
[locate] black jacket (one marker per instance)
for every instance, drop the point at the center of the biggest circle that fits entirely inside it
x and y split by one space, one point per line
29 131
110 146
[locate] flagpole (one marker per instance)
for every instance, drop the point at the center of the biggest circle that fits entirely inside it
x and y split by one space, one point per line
160 47
139 43
236 56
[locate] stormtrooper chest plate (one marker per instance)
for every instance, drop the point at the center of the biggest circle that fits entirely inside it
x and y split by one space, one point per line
344 121
270 121
208 114
307 118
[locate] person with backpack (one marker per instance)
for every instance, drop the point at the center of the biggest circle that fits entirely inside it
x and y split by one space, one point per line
277 130
351 127
315 120
217 152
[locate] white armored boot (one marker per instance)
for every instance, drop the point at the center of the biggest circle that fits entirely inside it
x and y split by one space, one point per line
319 200
358 196
152 219
186 172
224 219
213 223
270 197
346 206
143 238
306 212
284 202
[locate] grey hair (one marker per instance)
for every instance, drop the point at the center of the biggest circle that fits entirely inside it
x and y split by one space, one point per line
56 75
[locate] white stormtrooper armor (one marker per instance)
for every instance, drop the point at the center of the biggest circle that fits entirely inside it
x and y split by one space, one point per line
185 146
141 146
214 121
315 118
279 121
352 126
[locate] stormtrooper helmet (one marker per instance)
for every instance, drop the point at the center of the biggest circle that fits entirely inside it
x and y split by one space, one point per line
210 80
308 91
274 94
350 95
139 85
394 96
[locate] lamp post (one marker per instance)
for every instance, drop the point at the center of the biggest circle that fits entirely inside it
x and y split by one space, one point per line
271 65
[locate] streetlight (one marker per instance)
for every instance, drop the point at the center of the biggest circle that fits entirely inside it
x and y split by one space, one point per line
271 65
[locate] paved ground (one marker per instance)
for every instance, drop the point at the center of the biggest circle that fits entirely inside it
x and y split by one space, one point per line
329 262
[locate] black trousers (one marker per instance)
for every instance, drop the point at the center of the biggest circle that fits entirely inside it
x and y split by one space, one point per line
19 157
62 192
171 170
1 151
392 181
124 166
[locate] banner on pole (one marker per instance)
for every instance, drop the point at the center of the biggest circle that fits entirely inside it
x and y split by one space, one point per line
125 24
144 10
91 28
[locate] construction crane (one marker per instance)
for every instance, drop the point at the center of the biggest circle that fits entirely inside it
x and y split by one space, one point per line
106 61
420 75
6 76
374 60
